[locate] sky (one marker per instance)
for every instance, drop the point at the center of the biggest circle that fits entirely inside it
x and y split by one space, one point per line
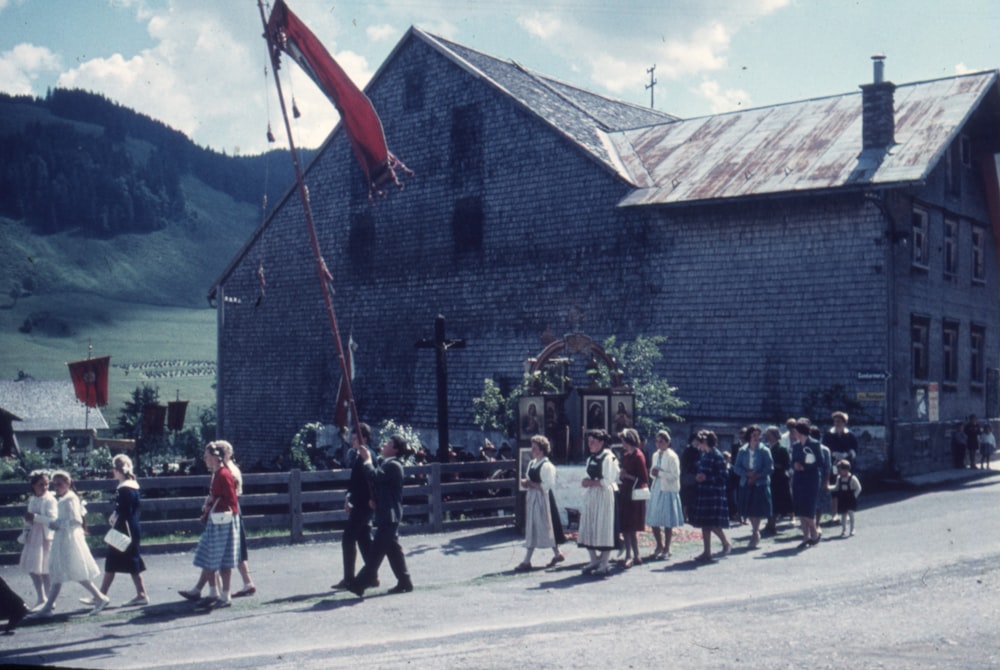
200 66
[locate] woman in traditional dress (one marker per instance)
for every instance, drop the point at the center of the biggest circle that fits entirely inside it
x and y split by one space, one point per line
218 548
711 512
42 510
632 512
70 559
754 466
249 588
664 508
599 519
125 519
543 528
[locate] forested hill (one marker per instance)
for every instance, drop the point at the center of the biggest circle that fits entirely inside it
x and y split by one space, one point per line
77 162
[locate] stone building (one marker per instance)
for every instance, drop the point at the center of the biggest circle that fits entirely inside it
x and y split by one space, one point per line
796 257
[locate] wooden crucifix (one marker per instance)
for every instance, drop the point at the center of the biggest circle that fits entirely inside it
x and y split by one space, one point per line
441 347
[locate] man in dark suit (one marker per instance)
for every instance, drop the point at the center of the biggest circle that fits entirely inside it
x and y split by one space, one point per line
358 505
388 480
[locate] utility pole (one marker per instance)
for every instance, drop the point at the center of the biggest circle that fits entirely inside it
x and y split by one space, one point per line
652 83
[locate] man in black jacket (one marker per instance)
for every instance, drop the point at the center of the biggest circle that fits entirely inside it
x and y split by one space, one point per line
358 505
388 481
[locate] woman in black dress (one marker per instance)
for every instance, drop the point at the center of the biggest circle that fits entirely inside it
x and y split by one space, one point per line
125 518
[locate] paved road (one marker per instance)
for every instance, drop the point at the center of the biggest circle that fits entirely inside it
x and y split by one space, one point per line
917 587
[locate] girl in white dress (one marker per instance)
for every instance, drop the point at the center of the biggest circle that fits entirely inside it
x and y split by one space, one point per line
35 555
70 559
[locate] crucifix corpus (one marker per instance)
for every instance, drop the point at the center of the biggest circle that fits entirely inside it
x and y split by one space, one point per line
441 347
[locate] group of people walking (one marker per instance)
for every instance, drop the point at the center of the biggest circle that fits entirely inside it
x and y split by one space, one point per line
798 474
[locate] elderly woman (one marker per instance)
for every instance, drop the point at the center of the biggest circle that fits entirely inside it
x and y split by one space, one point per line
711 512
754 466
219 546
542 526
599 519
632 512
664 507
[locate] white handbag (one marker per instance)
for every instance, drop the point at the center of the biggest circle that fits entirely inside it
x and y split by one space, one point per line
117 539
640 493
221 518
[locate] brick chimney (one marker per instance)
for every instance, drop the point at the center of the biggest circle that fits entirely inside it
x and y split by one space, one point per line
878 123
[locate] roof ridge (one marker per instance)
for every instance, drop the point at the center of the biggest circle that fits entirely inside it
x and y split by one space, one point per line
542 81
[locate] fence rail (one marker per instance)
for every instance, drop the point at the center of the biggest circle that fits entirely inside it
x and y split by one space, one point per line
308 505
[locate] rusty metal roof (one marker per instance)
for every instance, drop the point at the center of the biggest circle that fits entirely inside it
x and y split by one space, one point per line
795 147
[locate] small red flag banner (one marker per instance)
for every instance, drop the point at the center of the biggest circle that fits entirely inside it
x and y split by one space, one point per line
152 419
286 32
90 380
176 409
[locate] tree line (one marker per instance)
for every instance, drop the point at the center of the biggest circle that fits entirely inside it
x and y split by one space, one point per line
74 169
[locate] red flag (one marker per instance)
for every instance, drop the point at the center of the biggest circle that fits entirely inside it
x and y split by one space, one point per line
90 380
152 419
176 409
342 415
287 33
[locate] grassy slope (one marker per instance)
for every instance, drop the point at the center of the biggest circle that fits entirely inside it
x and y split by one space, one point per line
139 298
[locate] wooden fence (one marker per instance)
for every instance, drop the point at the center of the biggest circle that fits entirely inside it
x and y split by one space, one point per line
307 505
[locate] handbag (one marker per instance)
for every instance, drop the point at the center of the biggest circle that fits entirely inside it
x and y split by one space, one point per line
117 539
640 494
23 537
221 518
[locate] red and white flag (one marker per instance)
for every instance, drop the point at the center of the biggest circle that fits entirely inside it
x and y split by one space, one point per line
286 32
90 380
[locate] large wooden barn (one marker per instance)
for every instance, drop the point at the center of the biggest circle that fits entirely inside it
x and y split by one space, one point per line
840 248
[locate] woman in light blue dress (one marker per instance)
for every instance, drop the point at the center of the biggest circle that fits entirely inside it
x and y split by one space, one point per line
664 510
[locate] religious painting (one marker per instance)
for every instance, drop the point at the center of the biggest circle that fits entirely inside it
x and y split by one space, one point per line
530 415
622 413
595 412
523 459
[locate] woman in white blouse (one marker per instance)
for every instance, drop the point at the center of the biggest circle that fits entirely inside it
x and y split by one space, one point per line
664 508
542 526
599 530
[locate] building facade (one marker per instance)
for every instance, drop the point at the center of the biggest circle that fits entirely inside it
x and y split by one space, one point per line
796 257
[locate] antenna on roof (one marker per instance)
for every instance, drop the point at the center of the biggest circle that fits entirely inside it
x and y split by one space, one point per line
652 83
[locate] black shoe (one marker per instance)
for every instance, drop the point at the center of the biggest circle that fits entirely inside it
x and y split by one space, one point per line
356 588
22 612
402 587
374 583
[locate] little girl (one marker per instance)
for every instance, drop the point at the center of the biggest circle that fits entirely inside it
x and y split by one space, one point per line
70 558
846 490
35 555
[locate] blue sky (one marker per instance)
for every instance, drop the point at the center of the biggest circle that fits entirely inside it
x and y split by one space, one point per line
198 65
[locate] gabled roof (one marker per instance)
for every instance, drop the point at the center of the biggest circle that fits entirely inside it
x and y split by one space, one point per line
580 115
801 146
47 406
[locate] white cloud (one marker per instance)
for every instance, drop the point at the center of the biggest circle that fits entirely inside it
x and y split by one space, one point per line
720 100
380 33
22 64
543 25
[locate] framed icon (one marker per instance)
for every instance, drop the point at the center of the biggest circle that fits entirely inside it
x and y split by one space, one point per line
595 412
530 417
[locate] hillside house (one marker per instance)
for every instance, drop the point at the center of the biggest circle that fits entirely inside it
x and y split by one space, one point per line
840 247
44 416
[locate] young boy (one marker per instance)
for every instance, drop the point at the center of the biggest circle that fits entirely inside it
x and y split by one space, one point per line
845 491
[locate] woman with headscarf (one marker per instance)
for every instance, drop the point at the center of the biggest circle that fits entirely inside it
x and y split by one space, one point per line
598 517
633 477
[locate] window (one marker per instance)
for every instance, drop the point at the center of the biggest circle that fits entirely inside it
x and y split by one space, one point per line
920 238
965 149
361 239
467 225
413 91
920 327
977 357
953 169
949 349
978 254
950 246
466 144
